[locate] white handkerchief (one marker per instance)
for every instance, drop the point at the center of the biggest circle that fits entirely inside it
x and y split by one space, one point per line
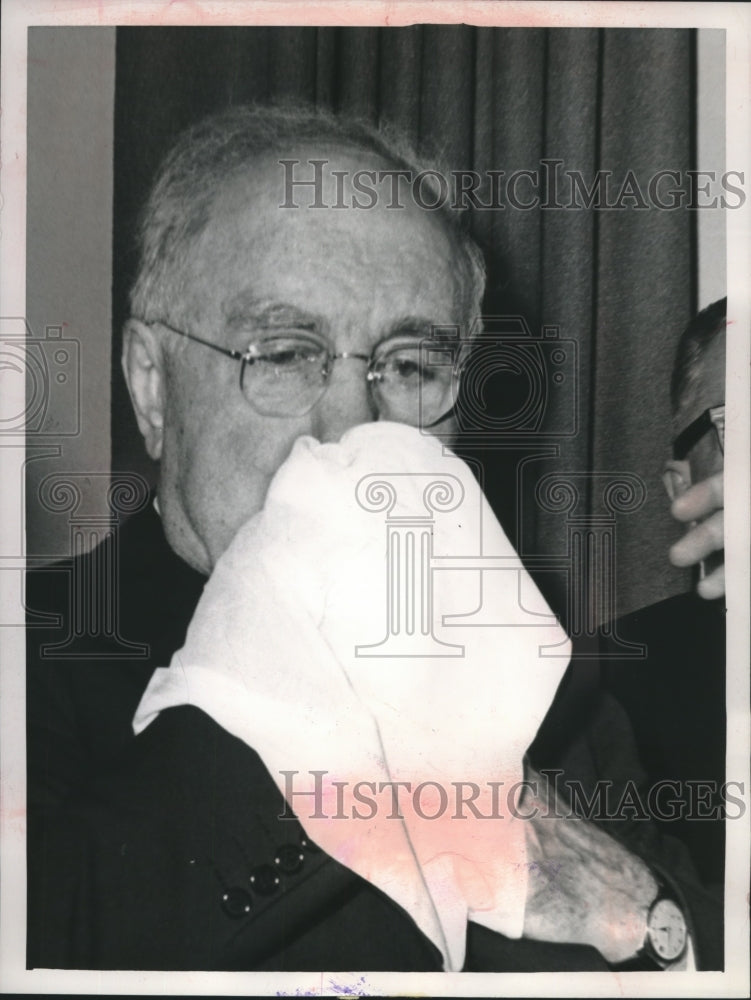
350 635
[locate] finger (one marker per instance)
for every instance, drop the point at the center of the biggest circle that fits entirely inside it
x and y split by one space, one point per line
700 500
700 542
712 586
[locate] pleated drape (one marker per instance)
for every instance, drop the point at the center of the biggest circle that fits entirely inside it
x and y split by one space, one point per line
619 283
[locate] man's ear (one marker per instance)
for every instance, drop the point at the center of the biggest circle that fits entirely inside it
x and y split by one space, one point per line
143 367
676 477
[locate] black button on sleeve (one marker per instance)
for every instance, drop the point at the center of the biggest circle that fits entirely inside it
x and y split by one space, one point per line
236 902
265 880
289 859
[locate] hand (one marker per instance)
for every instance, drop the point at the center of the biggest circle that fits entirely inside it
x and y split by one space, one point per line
702 506
584 886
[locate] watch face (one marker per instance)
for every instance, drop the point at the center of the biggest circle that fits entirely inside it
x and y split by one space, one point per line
666 927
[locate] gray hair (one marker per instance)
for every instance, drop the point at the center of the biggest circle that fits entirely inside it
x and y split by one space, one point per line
695 340
211 152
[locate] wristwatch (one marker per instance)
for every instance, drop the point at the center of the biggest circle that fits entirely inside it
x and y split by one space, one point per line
665 935
666 938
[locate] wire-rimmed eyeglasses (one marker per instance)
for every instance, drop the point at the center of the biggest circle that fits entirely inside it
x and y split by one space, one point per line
713 418
412 379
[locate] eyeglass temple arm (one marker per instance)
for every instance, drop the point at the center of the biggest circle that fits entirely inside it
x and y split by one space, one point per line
237 355
696 430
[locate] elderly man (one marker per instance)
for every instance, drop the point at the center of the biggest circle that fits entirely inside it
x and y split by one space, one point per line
265 315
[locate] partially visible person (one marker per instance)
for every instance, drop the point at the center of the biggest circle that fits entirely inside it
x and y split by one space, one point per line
675 696
694 478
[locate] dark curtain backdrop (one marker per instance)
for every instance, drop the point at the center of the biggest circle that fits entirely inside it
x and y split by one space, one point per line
621 284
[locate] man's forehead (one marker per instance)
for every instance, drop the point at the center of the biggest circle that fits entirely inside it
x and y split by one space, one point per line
255 204
310 176
341 187
256 253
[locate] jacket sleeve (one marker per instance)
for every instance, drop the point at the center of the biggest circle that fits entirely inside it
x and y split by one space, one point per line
587 747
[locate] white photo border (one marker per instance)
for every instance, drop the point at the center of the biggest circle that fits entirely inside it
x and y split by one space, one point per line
18 16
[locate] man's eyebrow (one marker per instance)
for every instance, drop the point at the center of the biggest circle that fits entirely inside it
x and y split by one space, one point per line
248 313
420 326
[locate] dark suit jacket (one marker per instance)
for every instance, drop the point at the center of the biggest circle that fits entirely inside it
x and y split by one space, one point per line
675 700
167 850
